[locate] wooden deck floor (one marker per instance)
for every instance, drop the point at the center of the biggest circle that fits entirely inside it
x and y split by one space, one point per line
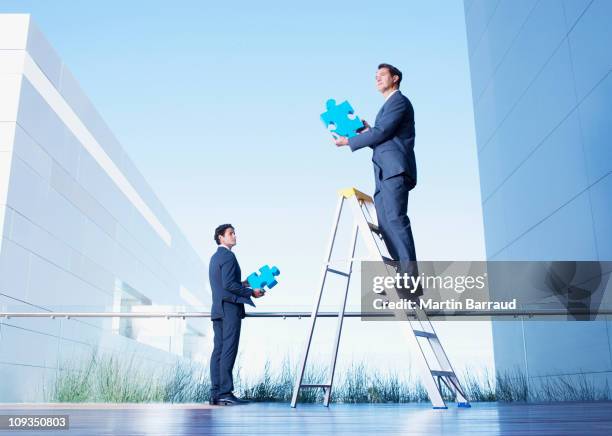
279 419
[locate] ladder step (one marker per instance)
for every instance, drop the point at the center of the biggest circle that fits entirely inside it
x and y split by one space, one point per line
423 334
314 386
335 271
436 373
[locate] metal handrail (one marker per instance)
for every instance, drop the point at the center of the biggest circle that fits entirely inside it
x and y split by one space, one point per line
432 313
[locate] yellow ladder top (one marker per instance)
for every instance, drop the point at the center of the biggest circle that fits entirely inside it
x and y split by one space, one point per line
349 192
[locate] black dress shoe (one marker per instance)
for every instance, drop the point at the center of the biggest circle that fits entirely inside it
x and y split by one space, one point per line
231 400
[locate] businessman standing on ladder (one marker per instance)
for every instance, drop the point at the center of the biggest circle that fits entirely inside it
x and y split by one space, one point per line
392 141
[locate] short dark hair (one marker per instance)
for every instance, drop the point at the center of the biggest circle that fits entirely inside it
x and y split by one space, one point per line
220 231
394 72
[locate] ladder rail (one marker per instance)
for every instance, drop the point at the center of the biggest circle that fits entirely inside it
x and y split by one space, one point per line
445 363
316 304
362 223
433 340
427 377
442 358
334 358
422 319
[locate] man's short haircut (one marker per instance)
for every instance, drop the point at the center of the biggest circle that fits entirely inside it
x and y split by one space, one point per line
220 231
394 72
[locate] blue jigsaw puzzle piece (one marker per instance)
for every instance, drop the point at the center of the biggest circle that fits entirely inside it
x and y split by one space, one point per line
341 118
266 278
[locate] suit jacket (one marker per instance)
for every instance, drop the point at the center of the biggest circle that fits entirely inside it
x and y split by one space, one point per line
225 283
392 139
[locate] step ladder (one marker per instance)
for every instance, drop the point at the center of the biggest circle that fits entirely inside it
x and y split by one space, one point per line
436 368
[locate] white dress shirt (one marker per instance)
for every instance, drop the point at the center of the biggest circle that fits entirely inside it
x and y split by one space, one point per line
392 92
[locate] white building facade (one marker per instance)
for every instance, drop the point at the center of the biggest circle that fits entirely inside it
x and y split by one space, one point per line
542 88
80 229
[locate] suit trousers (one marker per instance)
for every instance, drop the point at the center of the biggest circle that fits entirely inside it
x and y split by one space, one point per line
227 337
391 201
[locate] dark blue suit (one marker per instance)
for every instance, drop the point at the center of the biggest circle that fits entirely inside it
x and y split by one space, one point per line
395 174
228 299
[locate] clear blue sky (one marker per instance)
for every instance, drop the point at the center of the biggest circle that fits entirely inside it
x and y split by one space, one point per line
218 105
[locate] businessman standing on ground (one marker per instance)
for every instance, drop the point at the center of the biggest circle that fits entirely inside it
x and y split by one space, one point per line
392 141
229 295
